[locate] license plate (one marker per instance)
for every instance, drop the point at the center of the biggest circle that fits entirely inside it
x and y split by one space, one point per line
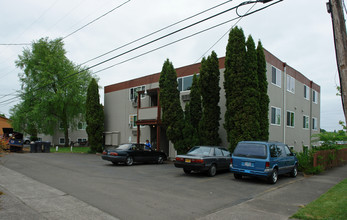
188 161
247 164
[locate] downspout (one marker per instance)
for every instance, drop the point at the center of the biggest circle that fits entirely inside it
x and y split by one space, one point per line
311 100
284 100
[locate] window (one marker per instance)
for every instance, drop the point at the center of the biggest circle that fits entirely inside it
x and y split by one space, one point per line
133 93
314 123
218 152
275 116
288 152
306 122
290 119
290 84
276 76
185 83
225 152
82 125
132 121
314 96
79 140
62 140
306 92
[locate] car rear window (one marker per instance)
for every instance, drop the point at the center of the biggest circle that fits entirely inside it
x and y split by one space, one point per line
200 151
250 150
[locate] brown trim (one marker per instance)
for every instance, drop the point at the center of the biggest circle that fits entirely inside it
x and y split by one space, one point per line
195 68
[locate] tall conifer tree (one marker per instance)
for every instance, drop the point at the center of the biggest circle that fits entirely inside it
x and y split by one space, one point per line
172 118
209 87
235 71
263 96
195 110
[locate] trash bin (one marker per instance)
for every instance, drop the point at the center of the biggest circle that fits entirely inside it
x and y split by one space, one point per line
33 148
39 146
47 147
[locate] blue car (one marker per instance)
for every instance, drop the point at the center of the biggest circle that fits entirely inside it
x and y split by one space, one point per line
263 159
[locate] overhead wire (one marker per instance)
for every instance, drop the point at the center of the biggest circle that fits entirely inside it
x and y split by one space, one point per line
157 31
102 62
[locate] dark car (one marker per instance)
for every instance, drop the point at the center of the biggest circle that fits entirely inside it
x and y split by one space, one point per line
204 158
132 153
263 159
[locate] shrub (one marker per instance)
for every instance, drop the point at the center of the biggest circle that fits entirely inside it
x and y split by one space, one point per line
305 159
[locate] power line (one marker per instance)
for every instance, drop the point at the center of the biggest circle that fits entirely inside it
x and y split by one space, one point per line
240 18
95 19
157 47
157 31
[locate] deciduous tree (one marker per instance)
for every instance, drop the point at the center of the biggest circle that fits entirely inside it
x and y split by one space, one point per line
53 87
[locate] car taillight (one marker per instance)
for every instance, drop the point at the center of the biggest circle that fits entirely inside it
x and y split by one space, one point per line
113 154
267 165
179 159
104 153
197 161
231 160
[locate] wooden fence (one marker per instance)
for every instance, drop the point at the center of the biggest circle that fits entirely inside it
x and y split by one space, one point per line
330 158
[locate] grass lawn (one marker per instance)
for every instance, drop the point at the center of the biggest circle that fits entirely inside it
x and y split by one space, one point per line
330 205
68 150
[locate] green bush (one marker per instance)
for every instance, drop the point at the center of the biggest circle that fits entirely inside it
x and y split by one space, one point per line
305 159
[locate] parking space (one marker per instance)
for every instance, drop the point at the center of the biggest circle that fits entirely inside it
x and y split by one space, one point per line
141 191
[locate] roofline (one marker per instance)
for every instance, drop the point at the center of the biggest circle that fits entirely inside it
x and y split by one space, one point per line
195 68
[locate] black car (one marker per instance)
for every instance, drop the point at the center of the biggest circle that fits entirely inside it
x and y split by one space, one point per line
131 153
204 158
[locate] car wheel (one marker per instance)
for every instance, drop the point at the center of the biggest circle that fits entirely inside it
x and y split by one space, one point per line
186 171
237 176
273 177
294 172
160 160
115 163
27 142
212 171
129 161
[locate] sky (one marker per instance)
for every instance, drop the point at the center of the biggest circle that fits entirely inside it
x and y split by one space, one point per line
297 32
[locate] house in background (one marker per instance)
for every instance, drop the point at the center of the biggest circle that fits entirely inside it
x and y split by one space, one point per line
133 114
4 123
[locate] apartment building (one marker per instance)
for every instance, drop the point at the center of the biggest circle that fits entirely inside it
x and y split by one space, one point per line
133 114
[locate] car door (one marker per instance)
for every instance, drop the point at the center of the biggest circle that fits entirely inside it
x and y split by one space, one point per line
227 157
282 159
219 158
290 159
147 155
274 158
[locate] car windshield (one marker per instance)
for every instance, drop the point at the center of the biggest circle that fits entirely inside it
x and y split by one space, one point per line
200 151
250 150
123 147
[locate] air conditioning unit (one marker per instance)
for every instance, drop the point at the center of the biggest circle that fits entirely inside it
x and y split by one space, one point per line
185 97
134 132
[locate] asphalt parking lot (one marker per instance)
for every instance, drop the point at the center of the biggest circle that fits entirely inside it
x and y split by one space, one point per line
146 191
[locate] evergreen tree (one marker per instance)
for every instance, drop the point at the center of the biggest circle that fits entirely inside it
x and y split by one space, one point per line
172 116
190 135
263 96
235 71
209 88
195 109
94 118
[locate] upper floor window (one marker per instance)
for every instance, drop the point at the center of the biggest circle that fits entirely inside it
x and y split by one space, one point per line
290 84
314 96
276 76
314 123
81 125
132 121
290 119
305 121
133 92
306 92
185 83
275 116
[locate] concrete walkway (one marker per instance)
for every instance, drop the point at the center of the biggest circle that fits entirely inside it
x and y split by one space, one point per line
282 202
25 198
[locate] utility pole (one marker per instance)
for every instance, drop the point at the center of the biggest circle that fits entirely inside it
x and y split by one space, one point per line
334 7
